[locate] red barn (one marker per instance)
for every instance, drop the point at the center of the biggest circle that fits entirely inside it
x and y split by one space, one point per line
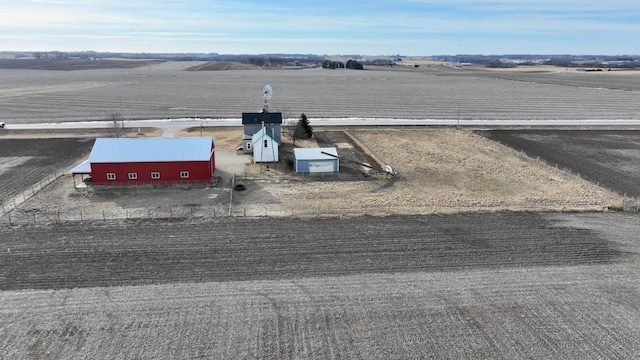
130 161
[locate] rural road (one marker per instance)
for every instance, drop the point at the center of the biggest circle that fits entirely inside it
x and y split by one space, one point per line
173 126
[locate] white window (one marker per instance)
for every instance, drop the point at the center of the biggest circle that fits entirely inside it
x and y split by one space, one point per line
266 143
111 176
133 176
155 175
248 146
184 174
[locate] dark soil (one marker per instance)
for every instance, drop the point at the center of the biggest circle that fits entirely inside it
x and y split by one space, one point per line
47 157
223 65
86 255
50 64
609 158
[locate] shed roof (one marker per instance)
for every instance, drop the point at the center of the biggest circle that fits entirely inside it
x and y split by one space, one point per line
260 117
120 150
314 153
84 168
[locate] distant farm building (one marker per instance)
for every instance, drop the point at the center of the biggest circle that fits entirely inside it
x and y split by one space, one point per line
312 160
254 122
126 161
265 144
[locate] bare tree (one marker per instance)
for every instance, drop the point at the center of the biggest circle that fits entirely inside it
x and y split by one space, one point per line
117 124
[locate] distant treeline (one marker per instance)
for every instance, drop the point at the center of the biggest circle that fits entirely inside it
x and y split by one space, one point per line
261 60
512 60
280 60
351 64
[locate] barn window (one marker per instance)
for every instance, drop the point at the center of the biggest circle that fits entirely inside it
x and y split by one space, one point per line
266 143
155 175
111 176
133 176
248 146
184 174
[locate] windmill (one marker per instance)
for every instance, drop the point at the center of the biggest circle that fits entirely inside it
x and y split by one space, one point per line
267 93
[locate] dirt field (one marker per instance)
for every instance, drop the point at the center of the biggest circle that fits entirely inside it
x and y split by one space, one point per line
437 92
467 278
607 158
24 162
505 285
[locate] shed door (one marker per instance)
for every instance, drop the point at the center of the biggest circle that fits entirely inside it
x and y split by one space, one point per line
321 166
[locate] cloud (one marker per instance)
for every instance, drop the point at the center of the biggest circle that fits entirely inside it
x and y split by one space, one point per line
374 26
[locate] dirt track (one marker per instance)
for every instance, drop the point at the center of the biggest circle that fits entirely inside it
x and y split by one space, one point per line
468 286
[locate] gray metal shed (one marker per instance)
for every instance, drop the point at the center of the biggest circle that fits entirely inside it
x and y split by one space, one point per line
312 160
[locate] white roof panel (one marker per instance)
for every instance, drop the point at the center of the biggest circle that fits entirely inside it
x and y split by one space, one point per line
314 153
118 150
84 168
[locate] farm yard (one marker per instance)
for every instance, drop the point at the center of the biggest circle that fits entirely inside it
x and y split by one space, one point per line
475 250
440 171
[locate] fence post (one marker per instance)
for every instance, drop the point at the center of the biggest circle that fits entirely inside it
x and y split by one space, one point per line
103 217
34 217
81 216
10 222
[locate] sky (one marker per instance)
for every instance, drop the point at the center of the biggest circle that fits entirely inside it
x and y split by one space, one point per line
324 27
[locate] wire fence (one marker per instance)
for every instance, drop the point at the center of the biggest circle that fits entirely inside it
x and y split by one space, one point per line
193 213
12 214
14 202
24 217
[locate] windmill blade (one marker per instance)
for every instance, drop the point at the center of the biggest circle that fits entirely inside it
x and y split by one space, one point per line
267 92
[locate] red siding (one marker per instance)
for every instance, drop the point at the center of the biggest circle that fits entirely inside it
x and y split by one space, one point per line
199 171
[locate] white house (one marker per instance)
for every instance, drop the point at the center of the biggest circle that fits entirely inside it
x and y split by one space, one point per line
265 145
253 122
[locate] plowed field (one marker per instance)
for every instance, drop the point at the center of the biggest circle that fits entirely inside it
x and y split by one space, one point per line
607 158
466 286
438 92
25 162
471 285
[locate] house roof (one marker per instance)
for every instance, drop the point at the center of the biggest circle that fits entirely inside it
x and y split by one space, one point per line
265 131
260 117
120 150
314 153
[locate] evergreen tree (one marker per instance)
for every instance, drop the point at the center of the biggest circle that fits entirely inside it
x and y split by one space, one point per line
303 128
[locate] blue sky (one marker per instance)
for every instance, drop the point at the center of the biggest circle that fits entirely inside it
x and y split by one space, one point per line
406 27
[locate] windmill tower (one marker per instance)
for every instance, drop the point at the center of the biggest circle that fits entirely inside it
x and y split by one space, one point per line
267 93
268 139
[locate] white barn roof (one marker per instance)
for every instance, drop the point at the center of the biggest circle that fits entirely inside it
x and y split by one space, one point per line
120 150
314 153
